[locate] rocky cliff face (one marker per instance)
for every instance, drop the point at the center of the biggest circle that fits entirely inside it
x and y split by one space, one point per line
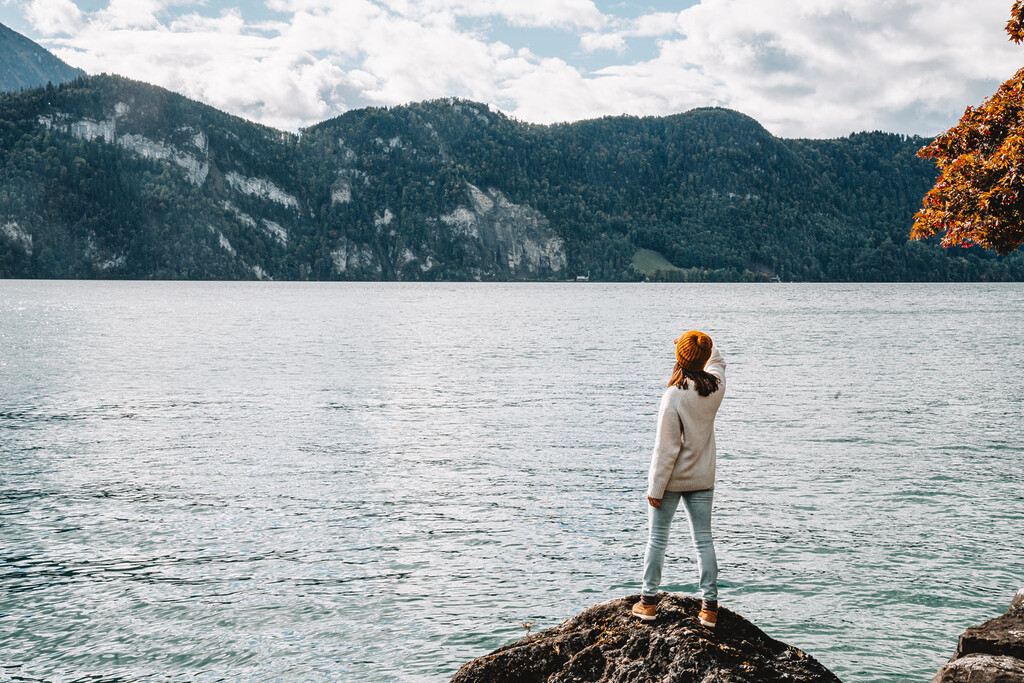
517 238
992 652
605 643
495 238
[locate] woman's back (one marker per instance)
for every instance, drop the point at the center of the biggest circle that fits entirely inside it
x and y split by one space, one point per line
684 449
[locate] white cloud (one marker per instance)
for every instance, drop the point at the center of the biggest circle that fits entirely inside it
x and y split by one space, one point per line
342 28
801 67
558 92
249 76
445 60
532 13
129 14
526 13
51 17
229 22
592 42
615 31
827 68
655 24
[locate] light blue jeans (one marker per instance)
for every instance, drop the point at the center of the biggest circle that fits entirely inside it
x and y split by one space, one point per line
698 512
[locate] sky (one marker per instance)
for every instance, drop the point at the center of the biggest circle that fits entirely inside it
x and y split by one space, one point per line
803 68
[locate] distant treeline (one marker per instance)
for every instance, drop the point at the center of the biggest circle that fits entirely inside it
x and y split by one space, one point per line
107 177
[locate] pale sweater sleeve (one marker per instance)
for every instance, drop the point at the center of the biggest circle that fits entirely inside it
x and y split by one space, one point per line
716 364
667 444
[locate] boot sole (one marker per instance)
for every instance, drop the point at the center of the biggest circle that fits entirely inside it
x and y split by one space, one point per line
643 617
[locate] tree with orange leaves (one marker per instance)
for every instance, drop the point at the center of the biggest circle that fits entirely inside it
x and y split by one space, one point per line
979 196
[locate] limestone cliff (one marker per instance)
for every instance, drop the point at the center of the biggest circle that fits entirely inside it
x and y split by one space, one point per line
517 238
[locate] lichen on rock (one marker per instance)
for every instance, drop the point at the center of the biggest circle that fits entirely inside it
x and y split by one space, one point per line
606 644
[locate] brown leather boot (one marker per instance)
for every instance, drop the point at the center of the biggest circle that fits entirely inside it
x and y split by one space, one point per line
645 612
708 615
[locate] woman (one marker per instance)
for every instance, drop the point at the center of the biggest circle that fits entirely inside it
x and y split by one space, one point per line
683 469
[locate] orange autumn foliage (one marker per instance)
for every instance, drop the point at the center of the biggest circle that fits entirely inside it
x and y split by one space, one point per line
979 196
1015 26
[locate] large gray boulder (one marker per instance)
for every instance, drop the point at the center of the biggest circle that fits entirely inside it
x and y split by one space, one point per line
990 653
606 644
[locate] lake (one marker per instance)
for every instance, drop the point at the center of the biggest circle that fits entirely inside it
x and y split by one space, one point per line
380 481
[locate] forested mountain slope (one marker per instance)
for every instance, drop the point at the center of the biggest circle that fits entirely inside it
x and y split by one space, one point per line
26 64
107 177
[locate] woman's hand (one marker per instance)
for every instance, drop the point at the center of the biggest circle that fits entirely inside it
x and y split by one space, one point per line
655 502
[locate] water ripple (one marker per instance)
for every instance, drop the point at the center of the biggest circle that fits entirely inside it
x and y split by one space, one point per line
222 481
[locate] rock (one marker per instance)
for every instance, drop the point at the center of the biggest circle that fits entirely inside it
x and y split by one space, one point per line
990 653
606 644
982 669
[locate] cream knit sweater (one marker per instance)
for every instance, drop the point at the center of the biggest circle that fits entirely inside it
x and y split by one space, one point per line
684 449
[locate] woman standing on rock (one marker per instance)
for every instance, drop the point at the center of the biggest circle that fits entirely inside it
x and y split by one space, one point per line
683 469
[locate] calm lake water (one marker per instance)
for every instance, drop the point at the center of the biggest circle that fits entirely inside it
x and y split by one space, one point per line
365 482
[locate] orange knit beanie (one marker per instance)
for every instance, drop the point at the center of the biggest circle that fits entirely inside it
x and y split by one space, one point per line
693 350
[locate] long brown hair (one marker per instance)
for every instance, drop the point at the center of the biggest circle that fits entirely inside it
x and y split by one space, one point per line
705 383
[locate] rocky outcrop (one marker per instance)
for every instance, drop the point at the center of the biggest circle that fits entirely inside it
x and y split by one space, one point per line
992 652
196 165
516 237
606 644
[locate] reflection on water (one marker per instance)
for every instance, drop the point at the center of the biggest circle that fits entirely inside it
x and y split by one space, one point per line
381 481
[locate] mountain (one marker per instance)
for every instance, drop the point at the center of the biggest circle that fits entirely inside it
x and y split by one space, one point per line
25 64
107 177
